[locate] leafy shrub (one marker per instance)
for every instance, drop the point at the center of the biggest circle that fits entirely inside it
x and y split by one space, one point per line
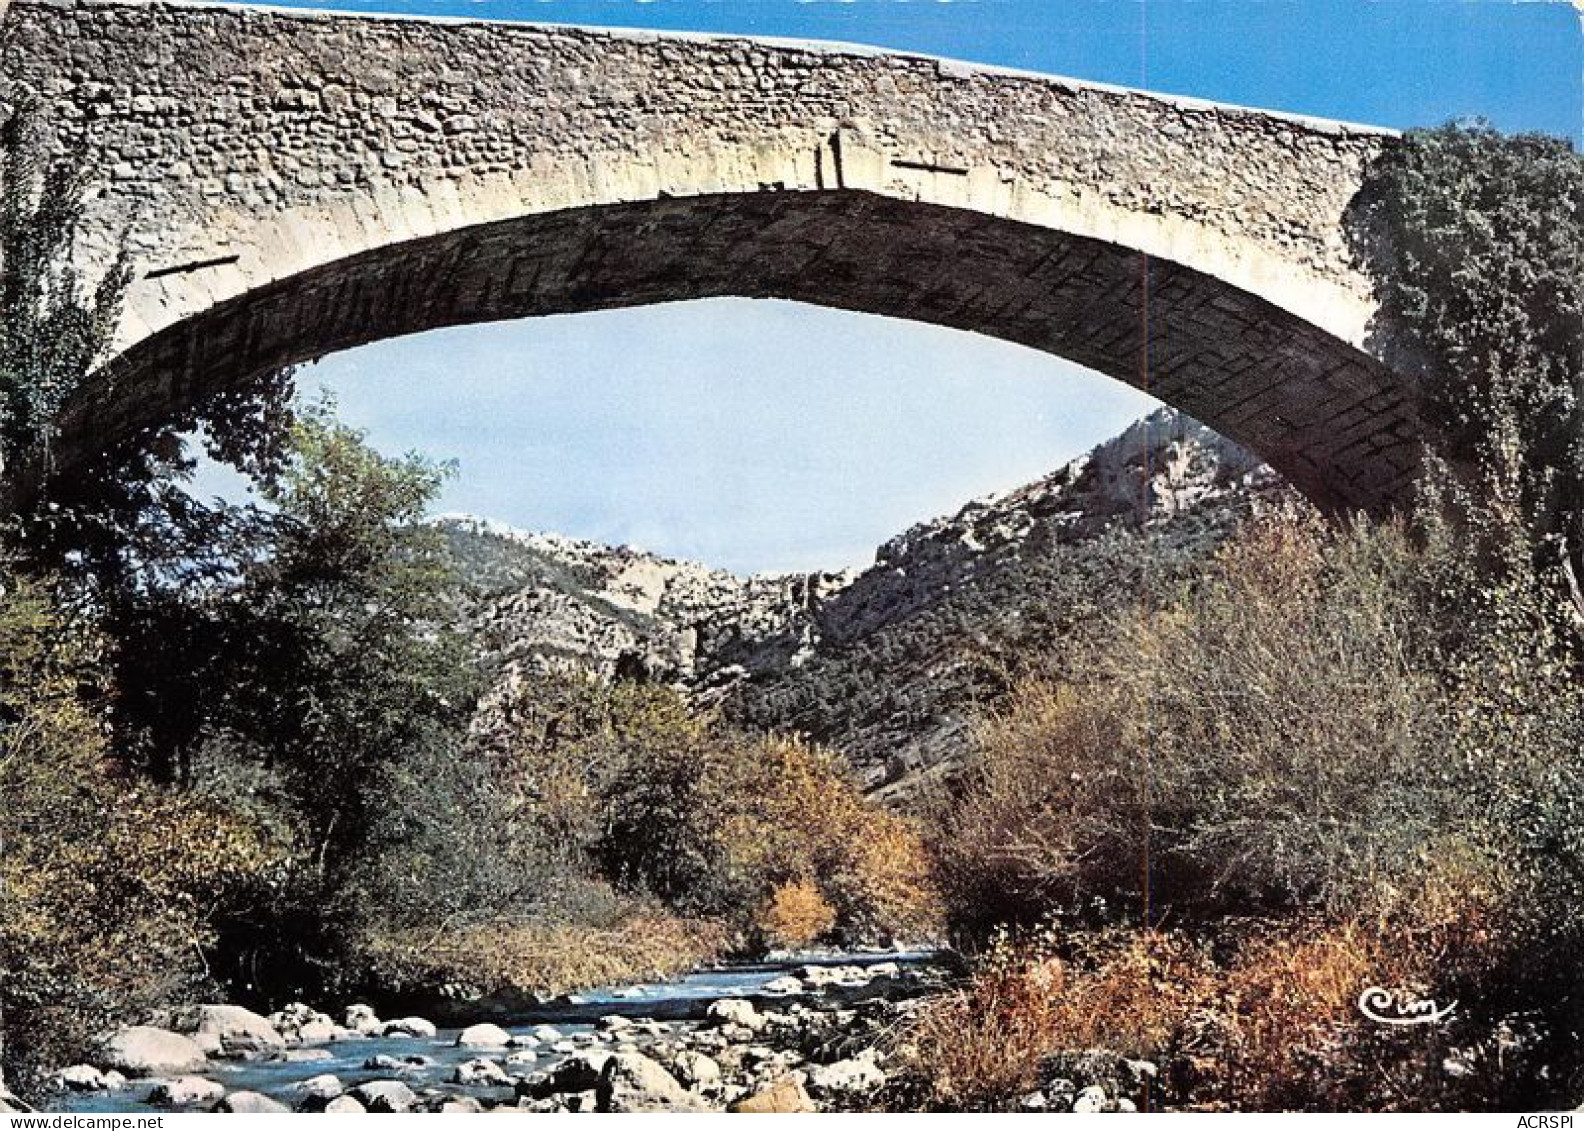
1265 1017
1476 241
795 915
1373 745
1036 995
659 802
109 888
1259 744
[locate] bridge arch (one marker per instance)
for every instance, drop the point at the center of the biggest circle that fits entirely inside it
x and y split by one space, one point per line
292 184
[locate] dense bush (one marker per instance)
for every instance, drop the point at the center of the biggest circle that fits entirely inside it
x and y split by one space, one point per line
108 887
662 803
1261 744
1476 242
1266 1018
544 958
1313 735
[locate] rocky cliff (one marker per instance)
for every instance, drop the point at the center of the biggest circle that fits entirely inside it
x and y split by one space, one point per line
889 663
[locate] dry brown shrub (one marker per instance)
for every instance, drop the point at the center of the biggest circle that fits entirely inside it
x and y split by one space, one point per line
1266 744
1275 1025
795 915
980 1045
1122 991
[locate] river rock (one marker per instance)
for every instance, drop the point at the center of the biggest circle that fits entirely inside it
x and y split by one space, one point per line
481 1073
736 1011
460 1105
579 1072
344 1105
185 1091
229 1030
847 1079
409 1027
82 1078
321 1033
300 1056
384 1062
302 1024
697 1071
631 1082
545 1034
483 1037
362 1019
387 1096
613 1023
143 1050
325 1087
250 1103
783 986
784 1096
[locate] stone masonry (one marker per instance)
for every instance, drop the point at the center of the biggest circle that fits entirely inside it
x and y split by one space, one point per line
290 184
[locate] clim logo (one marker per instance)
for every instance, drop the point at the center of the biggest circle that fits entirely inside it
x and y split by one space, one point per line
1545 1121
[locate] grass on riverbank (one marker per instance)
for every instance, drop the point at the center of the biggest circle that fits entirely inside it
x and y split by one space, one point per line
545 959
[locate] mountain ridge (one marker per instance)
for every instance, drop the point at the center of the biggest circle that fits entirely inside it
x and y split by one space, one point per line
888 663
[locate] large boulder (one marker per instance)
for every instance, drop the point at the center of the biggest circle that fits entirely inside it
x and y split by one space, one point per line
317 1091
631 1082
301 1024
386 1096
250 1103
483 1037
185 1091
229 1030
697 1071
143 1050
784 1096
344 1105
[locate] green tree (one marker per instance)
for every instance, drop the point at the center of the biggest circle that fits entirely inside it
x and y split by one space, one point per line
1477 241
54 329
345 654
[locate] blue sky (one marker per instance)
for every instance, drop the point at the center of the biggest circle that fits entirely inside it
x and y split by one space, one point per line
772 436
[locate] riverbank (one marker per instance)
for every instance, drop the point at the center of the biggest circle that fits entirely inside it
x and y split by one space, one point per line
786 1035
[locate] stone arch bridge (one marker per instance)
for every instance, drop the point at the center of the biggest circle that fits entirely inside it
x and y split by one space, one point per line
290 184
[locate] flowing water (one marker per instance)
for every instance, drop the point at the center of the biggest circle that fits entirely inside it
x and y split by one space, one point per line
681 1002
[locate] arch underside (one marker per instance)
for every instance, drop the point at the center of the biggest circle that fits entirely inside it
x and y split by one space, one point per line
1334 421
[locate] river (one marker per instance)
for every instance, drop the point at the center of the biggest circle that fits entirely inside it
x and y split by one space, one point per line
676 1005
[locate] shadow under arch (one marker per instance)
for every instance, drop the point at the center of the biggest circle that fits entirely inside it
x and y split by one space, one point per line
1333 420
